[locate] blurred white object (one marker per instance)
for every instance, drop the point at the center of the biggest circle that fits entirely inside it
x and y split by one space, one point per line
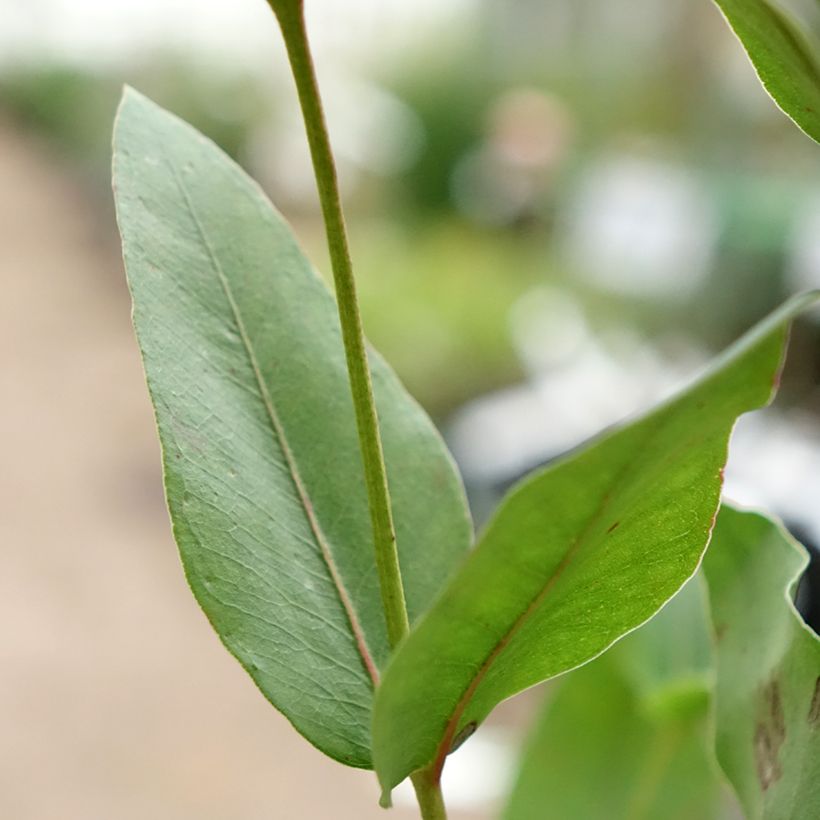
580 383
477 774
642 227
373 132
774 464
94 31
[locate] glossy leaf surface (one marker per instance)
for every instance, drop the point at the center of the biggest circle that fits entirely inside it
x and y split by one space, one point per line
786 61
625 737
576 556
767 700
242 350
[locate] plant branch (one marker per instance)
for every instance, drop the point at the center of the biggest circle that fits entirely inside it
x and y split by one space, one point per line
291 20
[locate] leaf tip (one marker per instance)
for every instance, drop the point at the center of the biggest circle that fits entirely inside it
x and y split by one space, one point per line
129 98
386 799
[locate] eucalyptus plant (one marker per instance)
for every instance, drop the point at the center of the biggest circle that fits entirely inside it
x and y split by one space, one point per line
323 526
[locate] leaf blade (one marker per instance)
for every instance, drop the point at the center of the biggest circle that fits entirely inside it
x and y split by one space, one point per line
649 489
767 695
242 351
782 57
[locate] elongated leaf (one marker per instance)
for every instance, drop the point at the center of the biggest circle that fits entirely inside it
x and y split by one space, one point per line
576 556
767 700
784 58
244 360
613 745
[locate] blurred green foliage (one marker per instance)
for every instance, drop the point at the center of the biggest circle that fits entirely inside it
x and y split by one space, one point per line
436 303
451 98
64 103
436 286
74 107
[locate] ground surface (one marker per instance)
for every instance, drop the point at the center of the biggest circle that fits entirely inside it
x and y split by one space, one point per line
116 699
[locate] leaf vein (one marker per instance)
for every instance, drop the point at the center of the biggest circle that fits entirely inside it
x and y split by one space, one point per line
279 432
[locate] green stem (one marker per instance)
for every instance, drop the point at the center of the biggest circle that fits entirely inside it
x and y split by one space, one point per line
428 793
291 20
290 14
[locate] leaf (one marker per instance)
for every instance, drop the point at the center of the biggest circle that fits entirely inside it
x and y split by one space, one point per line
595 755
243 355
620 746
576 556
767 699
785 60
668 662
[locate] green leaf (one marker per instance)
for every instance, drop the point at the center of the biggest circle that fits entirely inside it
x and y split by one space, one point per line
242 350
620 746
785 59
577 555
668 661
767 699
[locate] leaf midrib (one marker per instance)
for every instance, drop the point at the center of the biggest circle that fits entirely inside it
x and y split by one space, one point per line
443 748
279 433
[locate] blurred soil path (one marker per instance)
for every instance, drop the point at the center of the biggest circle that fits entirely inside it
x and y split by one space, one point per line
117 702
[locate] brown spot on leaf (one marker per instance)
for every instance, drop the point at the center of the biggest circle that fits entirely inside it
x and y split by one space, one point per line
775 707
814 709
768 765
770 733
613 527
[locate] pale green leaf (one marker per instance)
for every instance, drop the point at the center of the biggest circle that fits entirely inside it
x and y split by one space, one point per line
577 555
263 476
767 698
785 59
613 745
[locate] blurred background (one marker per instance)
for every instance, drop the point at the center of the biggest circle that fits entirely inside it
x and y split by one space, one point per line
559 211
